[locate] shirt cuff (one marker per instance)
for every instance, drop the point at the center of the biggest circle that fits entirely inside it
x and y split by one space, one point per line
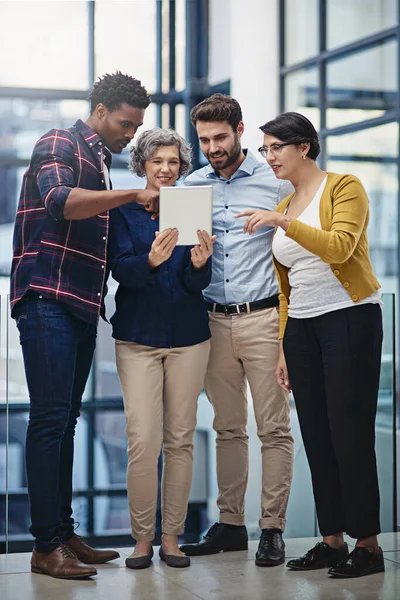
55 201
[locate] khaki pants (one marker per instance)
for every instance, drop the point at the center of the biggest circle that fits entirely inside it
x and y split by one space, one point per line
244 347
160 387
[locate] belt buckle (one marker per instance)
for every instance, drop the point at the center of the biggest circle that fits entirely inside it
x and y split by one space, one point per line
243 308
229 312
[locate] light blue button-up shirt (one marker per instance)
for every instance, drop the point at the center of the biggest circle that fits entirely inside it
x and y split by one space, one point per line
242 269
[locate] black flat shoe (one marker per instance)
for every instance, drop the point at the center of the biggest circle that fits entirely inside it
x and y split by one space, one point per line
219 538
139 562
271 549
178 562
321 556
360 562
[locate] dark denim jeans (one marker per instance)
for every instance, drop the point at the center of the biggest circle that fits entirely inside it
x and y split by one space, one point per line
58 351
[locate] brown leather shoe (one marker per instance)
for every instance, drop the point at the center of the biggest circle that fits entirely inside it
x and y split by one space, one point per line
89 555
61 563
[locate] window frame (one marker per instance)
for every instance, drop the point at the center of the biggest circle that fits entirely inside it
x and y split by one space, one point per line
196 89
321 61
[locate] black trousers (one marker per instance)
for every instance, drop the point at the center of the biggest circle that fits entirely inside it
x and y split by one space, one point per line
334 364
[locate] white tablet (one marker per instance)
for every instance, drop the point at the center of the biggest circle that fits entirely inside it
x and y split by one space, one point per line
188 208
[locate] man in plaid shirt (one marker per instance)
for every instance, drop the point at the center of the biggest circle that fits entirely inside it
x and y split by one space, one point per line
58 279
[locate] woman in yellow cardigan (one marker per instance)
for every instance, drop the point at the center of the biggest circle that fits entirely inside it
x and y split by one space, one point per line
331 326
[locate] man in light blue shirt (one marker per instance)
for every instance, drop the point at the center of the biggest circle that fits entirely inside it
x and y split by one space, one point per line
242 300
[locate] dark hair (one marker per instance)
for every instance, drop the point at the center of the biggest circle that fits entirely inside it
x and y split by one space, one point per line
296 128
217 107
113 90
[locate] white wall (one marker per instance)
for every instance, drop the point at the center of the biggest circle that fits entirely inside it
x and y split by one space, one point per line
255 64
220 58
244 49
6 233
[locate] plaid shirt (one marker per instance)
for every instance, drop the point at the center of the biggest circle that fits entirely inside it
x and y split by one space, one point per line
60 259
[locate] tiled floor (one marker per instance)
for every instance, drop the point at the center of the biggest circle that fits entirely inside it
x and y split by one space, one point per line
230 576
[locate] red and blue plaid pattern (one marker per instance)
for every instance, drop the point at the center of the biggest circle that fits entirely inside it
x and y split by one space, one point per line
60 259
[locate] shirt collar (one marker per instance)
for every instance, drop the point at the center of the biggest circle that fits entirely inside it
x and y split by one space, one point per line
92 139
248 166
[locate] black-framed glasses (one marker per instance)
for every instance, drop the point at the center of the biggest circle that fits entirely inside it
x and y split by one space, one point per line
275 149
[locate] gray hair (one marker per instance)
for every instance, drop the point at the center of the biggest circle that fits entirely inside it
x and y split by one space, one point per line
148 142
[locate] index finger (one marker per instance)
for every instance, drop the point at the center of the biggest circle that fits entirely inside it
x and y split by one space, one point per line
203 237
163 235
245 213
208 238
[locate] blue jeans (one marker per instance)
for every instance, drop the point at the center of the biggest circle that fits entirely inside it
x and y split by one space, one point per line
58 351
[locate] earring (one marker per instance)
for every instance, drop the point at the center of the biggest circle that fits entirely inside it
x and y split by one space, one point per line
304 157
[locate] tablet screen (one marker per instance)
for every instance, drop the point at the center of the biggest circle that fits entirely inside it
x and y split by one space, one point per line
188 208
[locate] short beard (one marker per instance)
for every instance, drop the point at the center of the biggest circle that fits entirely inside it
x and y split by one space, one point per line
233 156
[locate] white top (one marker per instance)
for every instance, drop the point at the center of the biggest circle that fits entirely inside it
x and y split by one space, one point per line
106 174
314 288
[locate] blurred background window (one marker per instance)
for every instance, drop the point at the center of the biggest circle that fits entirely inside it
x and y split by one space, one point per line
339 67
51 53
336 61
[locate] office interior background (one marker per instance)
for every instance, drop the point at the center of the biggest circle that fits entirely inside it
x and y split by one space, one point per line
335 61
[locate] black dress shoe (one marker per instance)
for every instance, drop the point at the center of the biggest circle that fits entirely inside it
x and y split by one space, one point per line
178 562
219 538
321 556
360 562
139 562
271 549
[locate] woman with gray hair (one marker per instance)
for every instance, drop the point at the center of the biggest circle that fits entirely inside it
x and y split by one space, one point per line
152 140
162 345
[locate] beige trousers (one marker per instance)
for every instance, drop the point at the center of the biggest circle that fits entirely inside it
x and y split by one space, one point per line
245 347
160 388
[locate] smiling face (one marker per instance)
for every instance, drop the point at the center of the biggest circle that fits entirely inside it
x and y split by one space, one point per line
162 169
219 143
118 127
285 161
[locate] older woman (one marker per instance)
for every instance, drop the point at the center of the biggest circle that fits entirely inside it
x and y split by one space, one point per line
162 347
331 325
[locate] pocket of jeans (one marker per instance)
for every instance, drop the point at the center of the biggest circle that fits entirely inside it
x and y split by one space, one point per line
20 321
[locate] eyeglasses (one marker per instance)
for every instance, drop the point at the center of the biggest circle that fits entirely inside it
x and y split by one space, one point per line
275 149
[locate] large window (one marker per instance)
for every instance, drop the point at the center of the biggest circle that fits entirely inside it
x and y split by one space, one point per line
52 52
339 67
44 44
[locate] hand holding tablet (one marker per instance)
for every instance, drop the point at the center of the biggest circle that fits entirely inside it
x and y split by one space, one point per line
162 247
201 253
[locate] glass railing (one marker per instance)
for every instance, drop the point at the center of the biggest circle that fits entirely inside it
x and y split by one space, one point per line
99 475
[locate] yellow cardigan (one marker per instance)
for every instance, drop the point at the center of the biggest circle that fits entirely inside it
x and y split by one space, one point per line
342 242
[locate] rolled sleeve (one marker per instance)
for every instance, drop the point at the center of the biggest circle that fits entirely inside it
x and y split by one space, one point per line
52 163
